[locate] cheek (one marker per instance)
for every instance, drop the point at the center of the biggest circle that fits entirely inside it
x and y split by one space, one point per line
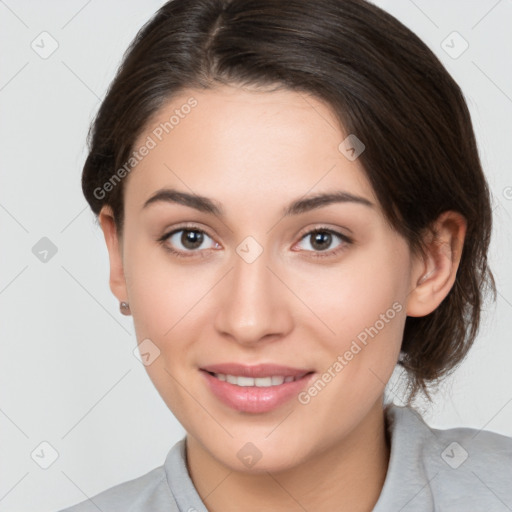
361 305
162 299
161 292
355 293
365 311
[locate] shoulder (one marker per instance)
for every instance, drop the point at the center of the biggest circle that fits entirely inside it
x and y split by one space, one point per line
460 467
143 494
481 448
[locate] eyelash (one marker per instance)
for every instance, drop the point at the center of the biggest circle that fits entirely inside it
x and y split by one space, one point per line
315 254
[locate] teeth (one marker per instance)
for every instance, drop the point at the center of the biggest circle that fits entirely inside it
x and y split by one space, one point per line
276 380
231 379
261 382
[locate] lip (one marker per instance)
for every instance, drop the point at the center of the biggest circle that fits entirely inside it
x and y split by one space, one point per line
253 399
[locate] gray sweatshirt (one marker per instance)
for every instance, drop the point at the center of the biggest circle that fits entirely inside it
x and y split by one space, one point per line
430 470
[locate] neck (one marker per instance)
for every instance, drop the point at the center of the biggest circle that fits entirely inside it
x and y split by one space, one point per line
346 476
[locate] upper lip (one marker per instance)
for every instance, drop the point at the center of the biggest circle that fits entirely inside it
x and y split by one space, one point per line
260 370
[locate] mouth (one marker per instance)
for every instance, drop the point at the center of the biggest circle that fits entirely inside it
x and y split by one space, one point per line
260 382
255 389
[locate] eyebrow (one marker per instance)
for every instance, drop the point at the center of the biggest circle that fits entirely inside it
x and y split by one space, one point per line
302 205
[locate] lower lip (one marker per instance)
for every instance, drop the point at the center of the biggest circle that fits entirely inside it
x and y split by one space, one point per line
255 399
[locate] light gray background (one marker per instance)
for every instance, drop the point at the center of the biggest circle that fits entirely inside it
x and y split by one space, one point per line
67 369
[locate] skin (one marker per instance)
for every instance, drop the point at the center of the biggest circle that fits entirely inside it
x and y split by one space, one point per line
254 152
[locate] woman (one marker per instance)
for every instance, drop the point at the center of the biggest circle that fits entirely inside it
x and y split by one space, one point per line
293 203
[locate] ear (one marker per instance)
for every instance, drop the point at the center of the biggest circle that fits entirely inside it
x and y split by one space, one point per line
434 275
114 245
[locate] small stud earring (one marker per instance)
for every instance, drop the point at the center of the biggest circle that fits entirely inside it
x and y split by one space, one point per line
124 308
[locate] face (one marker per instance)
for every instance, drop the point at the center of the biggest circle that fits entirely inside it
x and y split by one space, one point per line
260 273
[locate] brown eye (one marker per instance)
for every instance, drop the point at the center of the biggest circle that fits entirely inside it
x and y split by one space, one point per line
188 240
324 242
191 239
321 240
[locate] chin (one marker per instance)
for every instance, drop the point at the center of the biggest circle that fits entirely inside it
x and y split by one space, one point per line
256 457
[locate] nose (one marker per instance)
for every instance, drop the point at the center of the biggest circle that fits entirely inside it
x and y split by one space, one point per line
254 305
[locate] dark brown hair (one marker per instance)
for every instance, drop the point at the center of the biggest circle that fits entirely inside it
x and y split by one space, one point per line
383 84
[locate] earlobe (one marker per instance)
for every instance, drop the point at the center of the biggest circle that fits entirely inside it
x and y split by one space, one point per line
433 277
114 244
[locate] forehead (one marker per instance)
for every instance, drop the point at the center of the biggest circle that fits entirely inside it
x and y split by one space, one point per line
243 145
